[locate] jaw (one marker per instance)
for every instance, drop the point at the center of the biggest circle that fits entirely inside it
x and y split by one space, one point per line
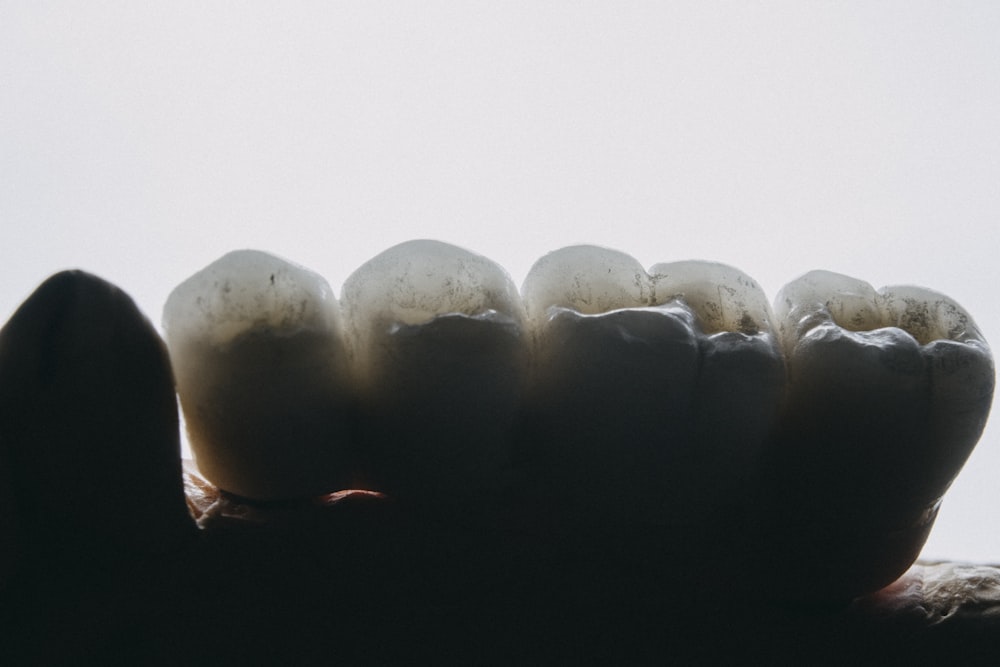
815 439
675 426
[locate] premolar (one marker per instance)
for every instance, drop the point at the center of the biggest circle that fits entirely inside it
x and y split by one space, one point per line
257 349
651 395
438 340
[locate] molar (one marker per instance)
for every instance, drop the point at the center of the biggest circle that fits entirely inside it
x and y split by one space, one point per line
889 391
651 395
257 349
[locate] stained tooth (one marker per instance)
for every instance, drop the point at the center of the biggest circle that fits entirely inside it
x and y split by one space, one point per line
437 334
888 394
257 349
651 400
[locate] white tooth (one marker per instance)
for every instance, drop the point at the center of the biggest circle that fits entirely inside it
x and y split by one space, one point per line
437 334
888 393
638 414
257 349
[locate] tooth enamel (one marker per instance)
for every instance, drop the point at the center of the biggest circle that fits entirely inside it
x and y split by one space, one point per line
589 279
888 393
257 350
437 334
639 414
960 373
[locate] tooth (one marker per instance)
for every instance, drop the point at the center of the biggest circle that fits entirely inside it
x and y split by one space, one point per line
888 393
88 432
437 334
257 348
960 369
741 380
650 396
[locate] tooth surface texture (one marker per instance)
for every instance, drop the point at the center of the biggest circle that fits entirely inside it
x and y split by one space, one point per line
587 279
258 354
650 395
889 391
437 334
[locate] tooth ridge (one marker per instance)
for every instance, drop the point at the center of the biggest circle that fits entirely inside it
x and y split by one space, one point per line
738 304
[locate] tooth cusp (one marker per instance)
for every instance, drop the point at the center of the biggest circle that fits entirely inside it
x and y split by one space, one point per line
258 354
650 396
590 280
414 282
637 382
888 393
724 298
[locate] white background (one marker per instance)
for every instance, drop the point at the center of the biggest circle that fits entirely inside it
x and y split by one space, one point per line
141 141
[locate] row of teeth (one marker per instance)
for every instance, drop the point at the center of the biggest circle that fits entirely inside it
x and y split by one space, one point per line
660 396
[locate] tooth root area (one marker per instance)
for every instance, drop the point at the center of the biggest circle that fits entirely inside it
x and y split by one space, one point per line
258 355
